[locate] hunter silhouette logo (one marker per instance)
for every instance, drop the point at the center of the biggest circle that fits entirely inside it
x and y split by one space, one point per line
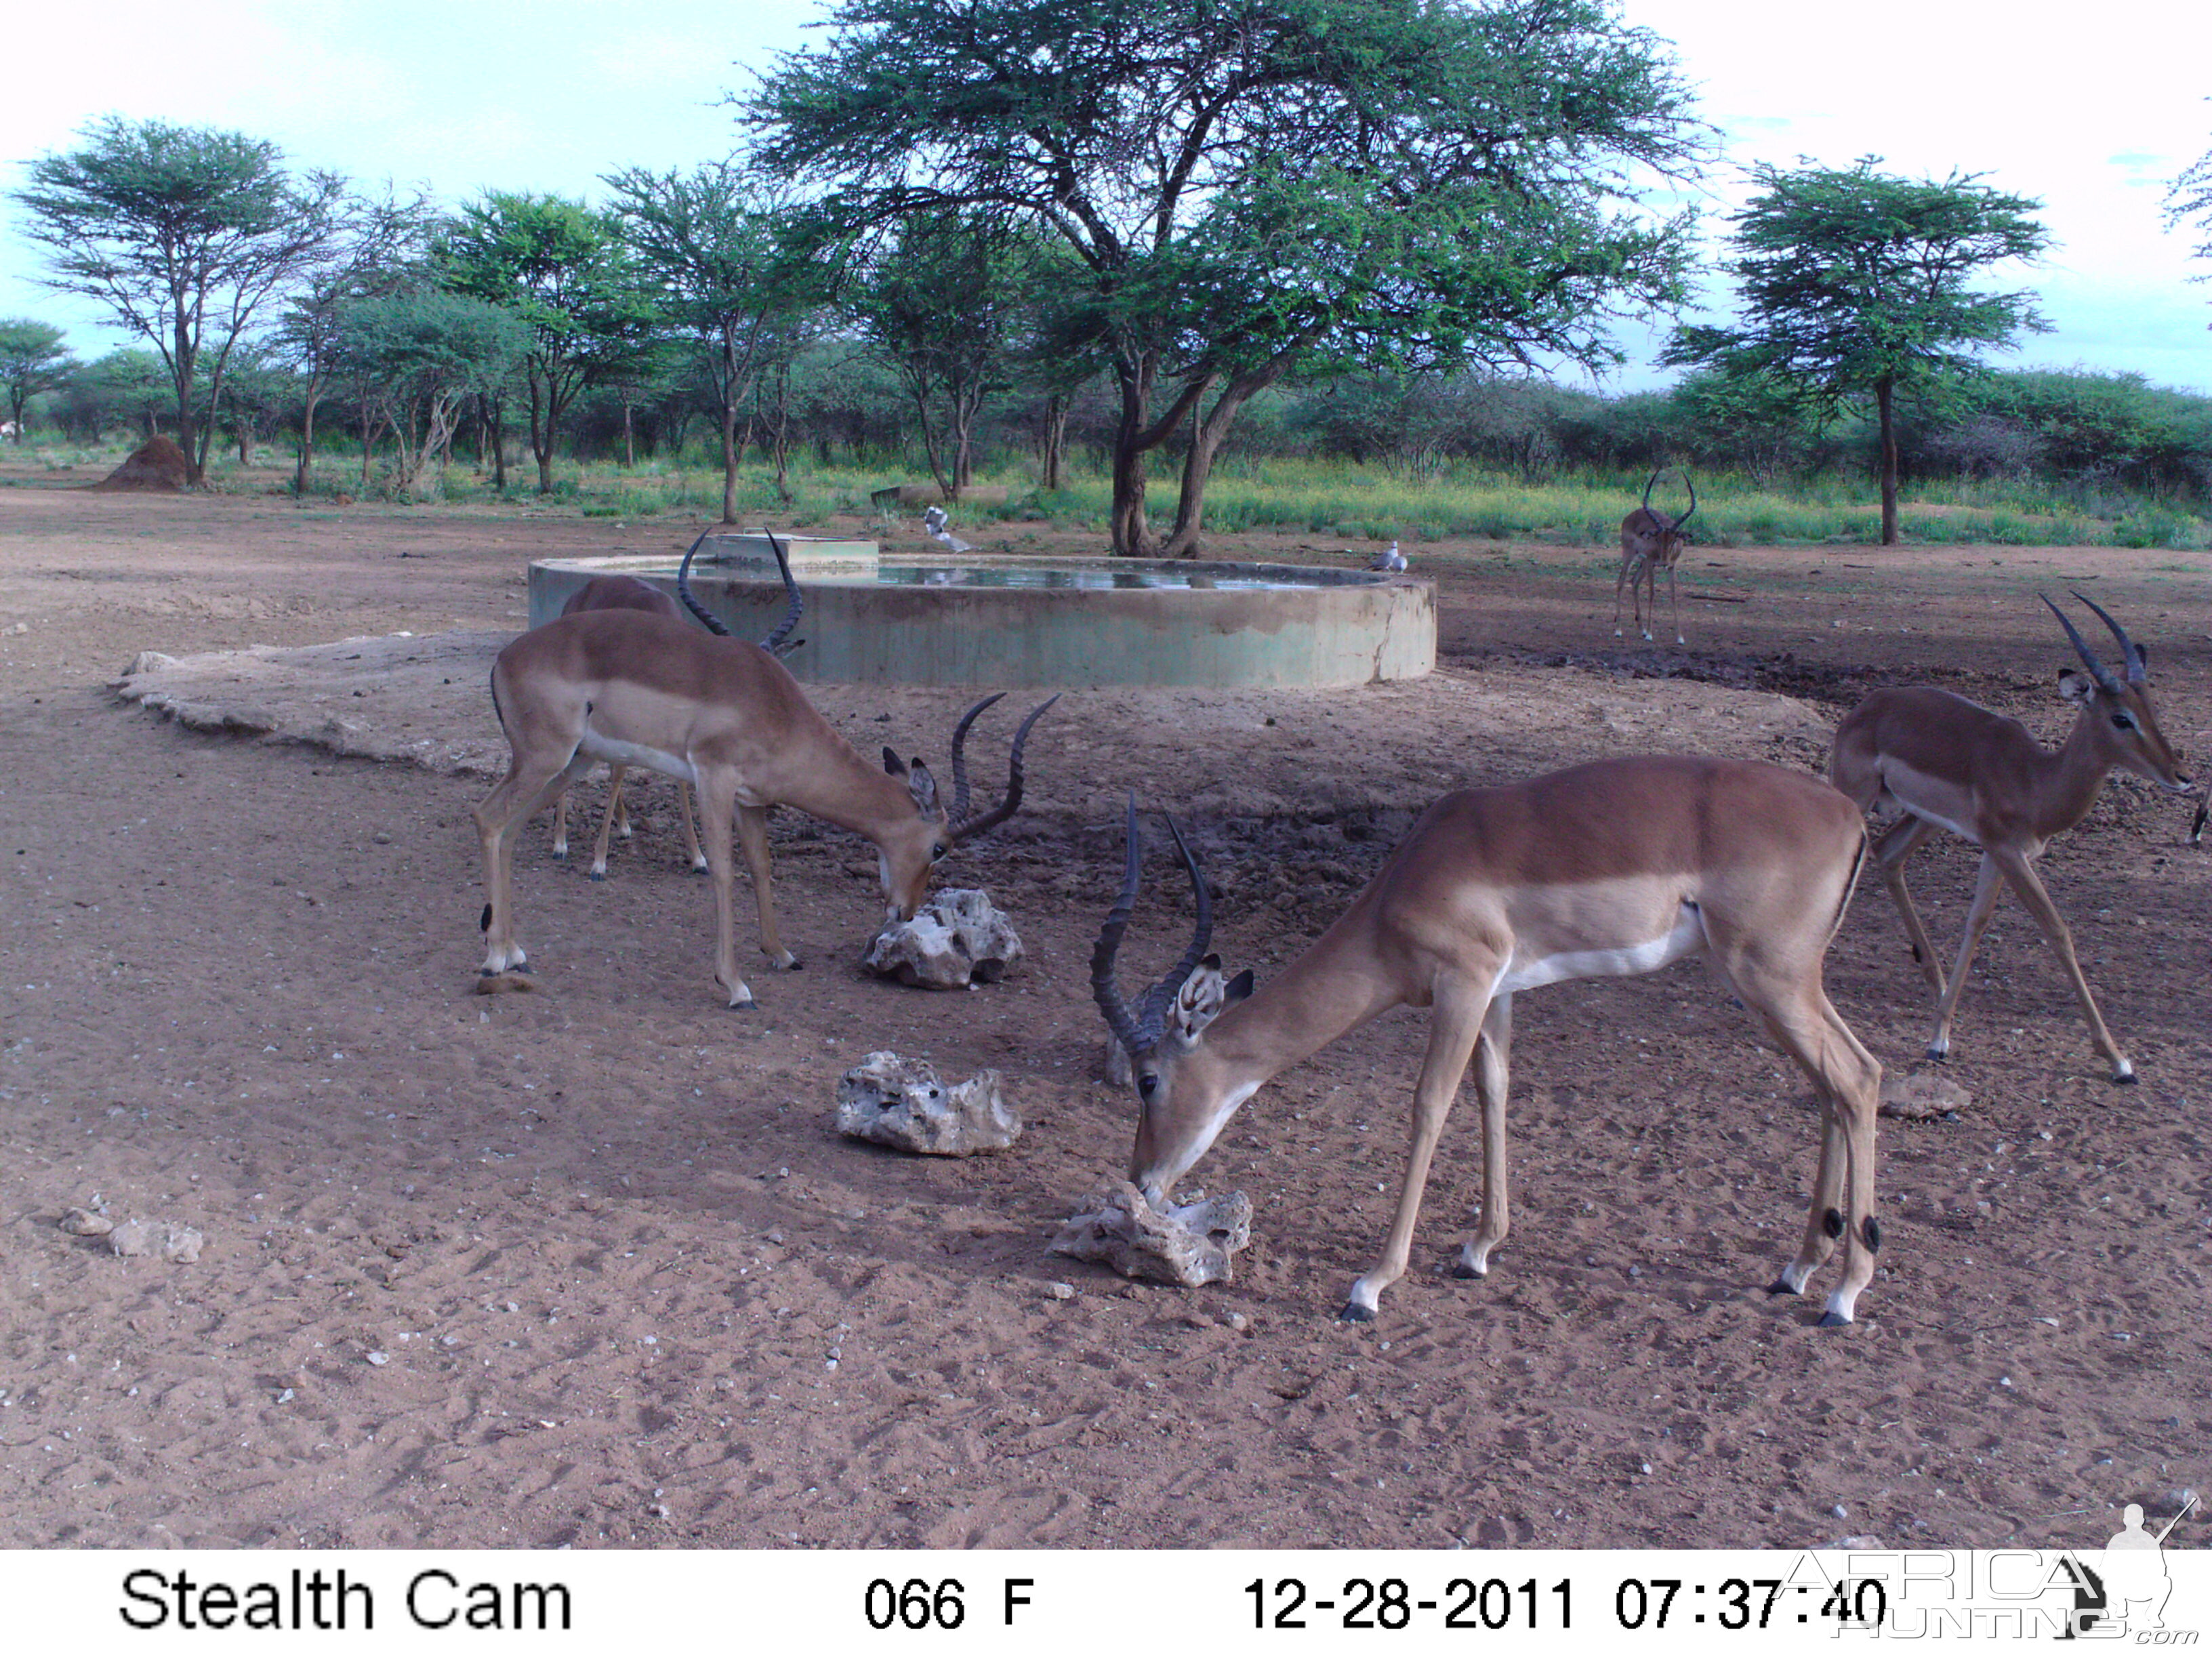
2126 1591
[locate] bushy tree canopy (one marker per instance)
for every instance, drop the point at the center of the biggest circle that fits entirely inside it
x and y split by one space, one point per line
1855 282
1259 183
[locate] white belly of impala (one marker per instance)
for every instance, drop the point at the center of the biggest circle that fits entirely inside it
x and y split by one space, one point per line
598 747
1525 973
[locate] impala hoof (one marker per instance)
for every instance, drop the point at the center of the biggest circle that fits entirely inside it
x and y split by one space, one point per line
1831 1319
1462 1270
599 875
1353 1314
1783 1287
2125 1075
1939 1051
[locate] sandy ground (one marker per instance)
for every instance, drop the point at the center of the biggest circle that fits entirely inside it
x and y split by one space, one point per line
590 1266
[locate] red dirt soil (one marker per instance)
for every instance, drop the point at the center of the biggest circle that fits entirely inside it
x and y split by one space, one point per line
590 1266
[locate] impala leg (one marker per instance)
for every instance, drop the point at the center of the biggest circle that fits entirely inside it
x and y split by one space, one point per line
691 836
1651 581
1891 848
1632 571
599 871
521 796
1848 1080
1674 599
717 798
752 835
1988 883
561 827
2020 875
1452 1028
1493 1059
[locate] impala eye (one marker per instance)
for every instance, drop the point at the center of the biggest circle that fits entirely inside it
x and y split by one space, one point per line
2125 721
937 852
1147 1083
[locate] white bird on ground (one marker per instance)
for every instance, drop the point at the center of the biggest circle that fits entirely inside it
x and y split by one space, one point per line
1389 559
934 522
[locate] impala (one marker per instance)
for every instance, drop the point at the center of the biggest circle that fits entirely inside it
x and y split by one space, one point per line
1616 867
1952 764
1651 542
617 593
724 715
622 593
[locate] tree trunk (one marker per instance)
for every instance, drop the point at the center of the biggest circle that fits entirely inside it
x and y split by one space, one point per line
1205 437
1054 441
630 439
541 433
1883 390
307 463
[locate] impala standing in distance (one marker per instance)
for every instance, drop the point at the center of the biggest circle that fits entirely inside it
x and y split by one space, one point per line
1616 867
1952 764
724 715
1651 542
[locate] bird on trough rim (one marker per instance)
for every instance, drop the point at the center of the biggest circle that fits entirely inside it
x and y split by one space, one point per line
1389 559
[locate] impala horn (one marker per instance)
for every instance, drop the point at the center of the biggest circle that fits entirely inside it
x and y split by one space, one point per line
2103 675
1690 484
2138 666
773 644
1140 1031
708 619
962 826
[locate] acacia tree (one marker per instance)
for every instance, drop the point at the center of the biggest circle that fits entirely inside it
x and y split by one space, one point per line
563 269
32 359
1855 284
1256 185
376 249
2188 201
183 234
721 252
941 305
422 357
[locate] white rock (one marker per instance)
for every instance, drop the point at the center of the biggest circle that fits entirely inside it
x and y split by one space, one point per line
146 662
900 1102
85 1224
1921 1094
172 1240
958 939
1188 1244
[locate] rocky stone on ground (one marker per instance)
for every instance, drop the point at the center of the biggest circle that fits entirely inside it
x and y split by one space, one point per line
900 1102
1188 1244
1921 1094
170 1240
958 939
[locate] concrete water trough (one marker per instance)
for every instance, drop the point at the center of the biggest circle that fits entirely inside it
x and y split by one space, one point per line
1049 622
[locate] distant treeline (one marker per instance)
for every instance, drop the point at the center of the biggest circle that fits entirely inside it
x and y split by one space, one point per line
2090 435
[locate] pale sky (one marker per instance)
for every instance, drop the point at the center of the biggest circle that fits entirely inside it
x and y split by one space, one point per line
2092 112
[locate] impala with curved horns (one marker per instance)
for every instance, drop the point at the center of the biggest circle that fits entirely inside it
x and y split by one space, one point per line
1952 764
620 593
1651 542
725 716
1615 867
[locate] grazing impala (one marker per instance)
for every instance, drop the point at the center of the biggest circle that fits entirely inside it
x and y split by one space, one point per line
1952 764
1619 866
724 715
1651 542
614 593
622 593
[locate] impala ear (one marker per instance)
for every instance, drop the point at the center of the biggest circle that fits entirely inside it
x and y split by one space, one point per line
923 788
1203 996
892 763
2075 686
1237 989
